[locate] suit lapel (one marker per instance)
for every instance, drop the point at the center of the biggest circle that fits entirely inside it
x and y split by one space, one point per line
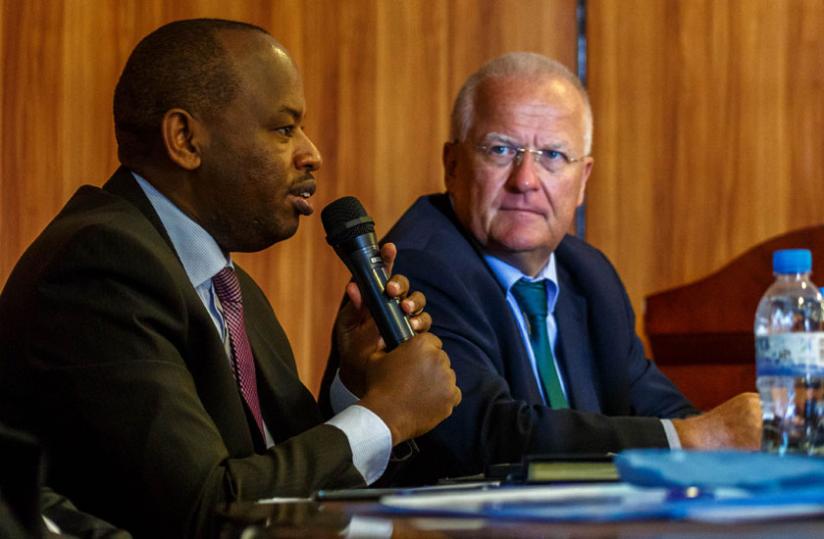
210 368
287 405
573 347
517 370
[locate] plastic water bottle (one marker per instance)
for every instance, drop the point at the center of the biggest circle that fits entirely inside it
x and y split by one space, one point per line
789 344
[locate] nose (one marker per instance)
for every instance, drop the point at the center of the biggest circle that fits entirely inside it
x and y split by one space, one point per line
523 176
307 156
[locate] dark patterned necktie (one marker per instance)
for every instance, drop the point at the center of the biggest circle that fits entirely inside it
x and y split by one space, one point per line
227 288
531 297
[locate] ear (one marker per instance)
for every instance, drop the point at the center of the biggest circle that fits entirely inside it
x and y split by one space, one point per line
183 138
450 162
585 172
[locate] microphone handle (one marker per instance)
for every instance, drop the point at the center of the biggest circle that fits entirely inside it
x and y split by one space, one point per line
362 256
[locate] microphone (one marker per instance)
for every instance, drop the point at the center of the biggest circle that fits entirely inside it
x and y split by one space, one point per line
352 234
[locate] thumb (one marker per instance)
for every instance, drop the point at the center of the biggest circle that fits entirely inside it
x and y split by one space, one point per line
354 295
351 314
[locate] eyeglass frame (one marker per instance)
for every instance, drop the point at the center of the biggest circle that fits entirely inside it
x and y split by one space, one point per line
538 153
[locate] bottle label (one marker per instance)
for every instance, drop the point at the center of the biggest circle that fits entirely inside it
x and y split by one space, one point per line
788 354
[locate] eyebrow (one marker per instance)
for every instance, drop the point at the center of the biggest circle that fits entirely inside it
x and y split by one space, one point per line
489 137
500 137
293 112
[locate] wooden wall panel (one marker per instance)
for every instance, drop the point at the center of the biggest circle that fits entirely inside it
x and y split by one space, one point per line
380 76
709 129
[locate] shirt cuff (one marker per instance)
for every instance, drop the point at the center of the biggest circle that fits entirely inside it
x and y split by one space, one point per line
369 438
51 526
672 435
339 396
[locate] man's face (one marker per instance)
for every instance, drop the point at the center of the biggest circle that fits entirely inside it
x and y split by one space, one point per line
520 212
256 173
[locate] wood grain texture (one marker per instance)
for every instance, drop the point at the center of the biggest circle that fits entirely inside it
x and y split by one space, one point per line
709 127
707 387
703 331
380 76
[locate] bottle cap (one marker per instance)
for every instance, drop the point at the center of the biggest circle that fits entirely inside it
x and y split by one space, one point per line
792 261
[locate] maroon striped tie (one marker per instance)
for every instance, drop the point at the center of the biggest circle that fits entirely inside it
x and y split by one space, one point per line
227 288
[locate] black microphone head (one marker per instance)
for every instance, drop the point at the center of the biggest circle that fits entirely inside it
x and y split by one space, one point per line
345 219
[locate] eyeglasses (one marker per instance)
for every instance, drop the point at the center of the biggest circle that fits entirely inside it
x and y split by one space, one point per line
503 155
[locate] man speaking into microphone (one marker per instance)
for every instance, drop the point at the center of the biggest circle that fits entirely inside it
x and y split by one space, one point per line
150 366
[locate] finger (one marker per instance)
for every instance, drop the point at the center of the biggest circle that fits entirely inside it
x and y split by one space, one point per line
430 339
376 356
353 292
445 361
453 377
388 254
345 322
397 286
414 303
421 323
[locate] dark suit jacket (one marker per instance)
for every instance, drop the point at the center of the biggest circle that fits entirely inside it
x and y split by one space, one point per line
111 360
615 393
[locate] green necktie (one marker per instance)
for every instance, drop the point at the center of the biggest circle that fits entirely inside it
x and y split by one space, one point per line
531 297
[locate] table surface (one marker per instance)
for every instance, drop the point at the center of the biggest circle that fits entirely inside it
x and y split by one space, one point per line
362 519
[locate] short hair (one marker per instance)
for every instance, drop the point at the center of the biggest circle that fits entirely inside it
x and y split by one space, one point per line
527 65
181 64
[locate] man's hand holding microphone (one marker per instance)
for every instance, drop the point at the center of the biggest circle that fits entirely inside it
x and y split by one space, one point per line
388 359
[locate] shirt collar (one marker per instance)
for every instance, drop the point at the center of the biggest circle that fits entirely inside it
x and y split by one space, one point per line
198 251
508 275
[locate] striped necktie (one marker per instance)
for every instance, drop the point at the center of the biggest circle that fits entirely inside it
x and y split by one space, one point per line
227 288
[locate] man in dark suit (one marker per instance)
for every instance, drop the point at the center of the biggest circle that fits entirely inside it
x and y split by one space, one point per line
537 323
151 368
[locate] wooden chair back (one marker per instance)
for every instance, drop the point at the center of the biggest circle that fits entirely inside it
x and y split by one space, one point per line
701 333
